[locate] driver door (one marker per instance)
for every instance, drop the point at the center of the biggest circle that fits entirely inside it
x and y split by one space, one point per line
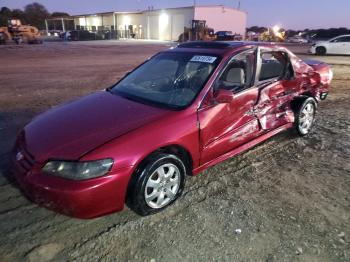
225 125
340 45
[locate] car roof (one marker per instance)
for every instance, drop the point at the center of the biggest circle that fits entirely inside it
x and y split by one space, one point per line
219 47
340 36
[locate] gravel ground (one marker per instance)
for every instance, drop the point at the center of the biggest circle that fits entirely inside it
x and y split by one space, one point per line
287 199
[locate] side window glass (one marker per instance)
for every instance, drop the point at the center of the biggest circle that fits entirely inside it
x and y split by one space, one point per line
239 72
344 39
339 40
273 65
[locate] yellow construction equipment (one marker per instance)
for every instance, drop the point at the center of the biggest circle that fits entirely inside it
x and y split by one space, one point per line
19 33
274 34
5 35
199 31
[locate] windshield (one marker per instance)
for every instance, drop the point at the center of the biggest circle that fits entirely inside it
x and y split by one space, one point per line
171 79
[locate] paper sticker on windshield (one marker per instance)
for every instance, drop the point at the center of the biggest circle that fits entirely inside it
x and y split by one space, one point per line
203 59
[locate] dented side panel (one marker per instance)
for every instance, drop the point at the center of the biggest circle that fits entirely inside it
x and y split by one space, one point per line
273 108
226 126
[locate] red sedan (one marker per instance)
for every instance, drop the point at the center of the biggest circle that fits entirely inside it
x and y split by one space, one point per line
180 112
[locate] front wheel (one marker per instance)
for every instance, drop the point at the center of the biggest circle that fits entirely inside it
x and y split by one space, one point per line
305 116
157 185
321 50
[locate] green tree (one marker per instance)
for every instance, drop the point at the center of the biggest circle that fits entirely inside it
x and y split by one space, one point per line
59 14
19 14
36 14
257 29
5 15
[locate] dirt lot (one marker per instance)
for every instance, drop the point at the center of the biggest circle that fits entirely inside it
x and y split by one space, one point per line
289 196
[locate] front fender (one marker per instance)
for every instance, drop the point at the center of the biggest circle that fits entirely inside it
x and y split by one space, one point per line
130 149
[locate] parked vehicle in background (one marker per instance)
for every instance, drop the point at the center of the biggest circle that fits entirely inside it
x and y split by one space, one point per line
56 33
19 33
297 39
227 36
80 35
224 36
198 32
339 45
179 113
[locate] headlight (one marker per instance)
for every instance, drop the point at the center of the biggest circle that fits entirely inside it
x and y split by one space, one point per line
78 170
330 76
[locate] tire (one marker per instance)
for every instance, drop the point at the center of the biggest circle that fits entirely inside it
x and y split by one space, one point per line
305 116
320 50
157 184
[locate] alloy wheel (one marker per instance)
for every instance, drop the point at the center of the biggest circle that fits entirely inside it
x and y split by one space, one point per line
162 186
306 118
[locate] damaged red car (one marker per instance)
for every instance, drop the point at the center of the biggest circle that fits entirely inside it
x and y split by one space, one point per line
178 113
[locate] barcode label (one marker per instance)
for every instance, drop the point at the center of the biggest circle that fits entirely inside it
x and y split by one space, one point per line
203 59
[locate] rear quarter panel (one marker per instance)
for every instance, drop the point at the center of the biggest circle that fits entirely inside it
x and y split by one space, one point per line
315 76
321 77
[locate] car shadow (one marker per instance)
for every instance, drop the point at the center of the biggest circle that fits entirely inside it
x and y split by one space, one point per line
11 122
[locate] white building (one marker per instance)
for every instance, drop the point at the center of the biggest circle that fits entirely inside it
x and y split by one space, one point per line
164 24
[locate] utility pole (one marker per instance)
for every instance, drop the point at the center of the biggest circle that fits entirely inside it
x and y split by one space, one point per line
63 25
239 5
47 27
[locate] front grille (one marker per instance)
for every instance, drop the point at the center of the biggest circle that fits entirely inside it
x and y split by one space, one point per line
27 162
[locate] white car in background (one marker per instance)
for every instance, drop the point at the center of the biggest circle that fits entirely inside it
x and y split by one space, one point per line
297 39
339 45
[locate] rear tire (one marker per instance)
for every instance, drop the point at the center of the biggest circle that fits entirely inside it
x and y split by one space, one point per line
321 50
157 184
305 116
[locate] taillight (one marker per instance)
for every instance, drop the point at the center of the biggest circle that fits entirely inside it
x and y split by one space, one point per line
330 75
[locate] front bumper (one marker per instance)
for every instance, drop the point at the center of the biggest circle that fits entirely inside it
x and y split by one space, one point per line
312 50
82 199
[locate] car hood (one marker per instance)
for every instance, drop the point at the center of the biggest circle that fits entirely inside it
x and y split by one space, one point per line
71 130
322 42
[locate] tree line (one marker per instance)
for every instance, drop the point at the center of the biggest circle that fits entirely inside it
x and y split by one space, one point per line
35 14
32 14
312 33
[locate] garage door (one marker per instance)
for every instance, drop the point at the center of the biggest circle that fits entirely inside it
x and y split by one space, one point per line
153 27
177 24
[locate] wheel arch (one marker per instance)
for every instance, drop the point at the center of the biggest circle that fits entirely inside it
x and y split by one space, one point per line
297 107
321 47
174 149
298 101
179 151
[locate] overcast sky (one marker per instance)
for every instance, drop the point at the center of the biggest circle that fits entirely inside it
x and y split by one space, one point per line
291 14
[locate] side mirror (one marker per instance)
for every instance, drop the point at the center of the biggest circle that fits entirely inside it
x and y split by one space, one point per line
224 96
